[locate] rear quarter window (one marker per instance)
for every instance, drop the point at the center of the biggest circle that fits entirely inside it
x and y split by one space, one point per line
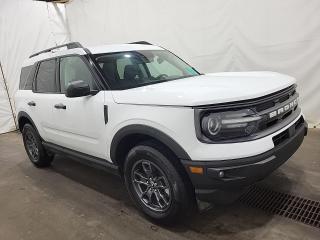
26 77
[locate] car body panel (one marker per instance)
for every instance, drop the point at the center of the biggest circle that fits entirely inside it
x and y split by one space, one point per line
178 123
206 89
81 125
167 107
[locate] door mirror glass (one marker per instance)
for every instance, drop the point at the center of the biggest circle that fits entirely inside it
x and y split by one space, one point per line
78 88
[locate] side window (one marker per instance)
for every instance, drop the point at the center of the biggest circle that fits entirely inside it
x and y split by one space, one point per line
73 69
26 77
25 71
46 77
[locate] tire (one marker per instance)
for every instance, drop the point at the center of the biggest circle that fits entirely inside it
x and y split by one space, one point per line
34 148
170 197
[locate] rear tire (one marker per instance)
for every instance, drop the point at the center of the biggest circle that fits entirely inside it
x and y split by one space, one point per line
34 148
156 183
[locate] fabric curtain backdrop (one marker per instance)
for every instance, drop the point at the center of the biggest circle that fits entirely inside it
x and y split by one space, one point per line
216 35
6 119
25 27
212 35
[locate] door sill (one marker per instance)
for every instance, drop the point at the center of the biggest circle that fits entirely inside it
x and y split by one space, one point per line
83 158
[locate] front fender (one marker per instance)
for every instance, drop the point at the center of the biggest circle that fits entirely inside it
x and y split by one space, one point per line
151 132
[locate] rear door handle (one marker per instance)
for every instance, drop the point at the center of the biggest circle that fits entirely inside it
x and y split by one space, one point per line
60 106
32 103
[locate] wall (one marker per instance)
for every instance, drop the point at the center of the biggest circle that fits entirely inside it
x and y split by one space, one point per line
215 35
26 27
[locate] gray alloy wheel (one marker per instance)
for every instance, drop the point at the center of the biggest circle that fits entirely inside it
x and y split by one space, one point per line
151 185
156 183
32 146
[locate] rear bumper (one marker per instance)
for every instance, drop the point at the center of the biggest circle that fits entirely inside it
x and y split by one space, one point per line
230 176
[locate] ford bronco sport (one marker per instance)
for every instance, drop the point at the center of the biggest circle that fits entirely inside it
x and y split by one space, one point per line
173 134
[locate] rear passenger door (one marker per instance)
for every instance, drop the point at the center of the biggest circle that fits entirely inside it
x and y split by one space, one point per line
80 125
45 90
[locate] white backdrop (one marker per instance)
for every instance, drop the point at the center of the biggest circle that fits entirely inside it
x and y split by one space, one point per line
216 35
212 35
26 26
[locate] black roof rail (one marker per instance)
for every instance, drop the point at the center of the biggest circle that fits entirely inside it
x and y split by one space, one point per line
141 42
68 45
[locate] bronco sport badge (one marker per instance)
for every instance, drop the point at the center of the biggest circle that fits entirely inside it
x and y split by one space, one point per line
284 108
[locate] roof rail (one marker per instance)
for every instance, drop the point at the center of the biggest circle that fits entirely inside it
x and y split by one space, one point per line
68 45
141 42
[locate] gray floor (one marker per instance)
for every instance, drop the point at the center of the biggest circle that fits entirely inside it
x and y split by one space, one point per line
71 201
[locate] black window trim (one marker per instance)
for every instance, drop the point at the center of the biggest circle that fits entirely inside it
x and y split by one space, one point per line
94 66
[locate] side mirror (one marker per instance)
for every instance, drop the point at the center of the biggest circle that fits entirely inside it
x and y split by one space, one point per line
78 89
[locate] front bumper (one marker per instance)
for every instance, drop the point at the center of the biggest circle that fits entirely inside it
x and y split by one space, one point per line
222 178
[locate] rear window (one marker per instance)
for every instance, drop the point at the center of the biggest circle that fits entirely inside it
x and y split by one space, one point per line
26 77
46 77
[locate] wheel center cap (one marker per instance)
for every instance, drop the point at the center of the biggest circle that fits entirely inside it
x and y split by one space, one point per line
152 183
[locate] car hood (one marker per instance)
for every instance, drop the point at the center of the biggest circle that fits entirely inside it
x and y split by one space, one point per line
206 89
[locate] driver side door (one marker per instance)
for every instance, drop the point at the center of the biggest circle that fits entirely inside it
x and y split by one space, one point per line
79 122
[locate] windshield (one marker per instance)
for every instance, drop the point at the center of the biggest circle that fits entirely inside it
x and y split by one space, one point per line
125 70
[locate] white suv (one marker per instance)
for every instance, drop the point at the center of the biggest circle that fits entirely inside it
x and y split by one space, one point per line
141 112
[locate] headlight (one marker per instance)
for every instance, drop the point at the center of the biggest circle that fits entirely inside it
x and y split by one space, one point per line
229 125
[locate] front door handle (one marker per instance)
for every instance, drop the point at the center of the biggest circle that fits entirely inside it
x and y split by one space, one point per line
32 103
60 106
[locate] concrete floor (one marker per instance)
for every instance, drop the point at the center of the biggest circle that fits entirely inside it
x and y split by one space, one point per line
72 201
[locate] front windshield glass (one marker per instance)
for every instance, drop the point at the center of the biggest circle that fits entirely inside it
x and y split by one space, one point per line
132 69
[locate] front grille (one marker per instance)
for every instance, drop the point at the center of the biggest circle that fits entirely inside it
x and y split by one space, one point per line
287 205
277 109
276 98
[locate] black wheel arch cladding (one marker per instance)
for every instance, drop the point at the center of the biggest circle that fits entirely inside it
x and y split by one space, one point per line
147 131
24 118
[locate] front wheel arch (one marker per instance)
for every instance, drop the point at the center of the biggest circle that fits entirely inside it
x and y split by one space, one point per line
183 192
129 136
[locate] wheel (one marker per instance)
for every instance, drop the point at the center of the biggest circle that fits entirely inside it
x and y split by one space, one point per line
34 148
156 184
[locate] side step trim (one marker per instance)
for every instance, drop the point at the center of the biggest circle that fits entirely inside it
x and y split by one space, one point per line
83 158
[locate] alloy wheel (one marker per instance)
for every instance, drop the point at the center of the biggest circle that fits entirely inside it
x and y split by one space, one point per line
32 146
151 185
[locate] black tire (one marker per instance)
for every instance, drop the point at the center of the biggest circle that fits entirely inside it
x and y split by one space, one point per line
181 193
34 148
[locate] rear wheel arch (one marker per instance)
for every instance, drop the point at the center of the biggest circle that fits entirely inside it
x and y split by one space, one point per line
23 119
